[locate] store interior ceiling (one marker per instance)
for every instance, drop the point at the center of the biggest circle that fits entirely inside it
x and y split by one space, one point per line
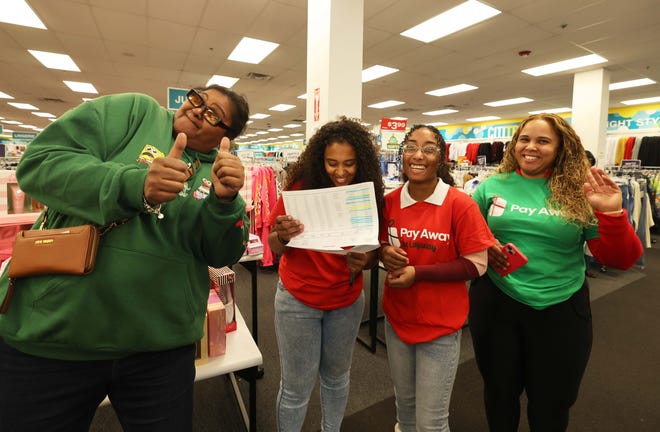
149 45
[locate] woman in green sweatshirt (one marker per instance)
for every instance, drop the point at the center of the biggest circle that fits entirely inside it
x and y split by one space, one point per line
127 330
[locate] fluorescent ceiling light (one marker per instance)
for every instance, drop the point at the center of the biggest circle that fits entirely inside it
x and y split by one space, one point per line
632 83
14 122
464 15
27 126
5 96
261 132
642 101
81 87
19 12
440 112
297 134
478 119
506 102
376 71
275 130
252 51
221 80
23 106
55 60
438 124
552 111
399 118
281 107
43 114
87 99
292 125
303 96
565 65
259 116
451 90
386 104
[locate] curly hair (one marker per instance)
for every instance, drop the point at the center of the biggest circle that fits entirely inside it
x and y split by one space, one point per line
569 170
310 167
443 168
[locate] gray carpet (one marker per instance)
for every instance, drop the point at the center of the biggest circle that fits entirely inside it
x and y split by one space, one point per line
620 392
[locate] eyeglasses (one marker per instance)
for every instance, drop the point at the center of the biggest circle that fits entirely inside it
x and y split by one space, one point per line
428 150
209 115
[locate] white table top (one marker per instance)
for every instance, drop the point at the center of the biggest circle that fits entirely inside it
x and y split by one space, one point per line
242 353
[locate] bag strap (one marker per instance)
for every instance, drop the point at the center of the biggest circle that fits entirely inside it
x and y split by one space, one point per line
101 230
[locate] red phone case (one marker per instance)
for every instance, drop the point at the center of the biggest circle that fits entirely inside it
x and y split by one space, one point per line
516 259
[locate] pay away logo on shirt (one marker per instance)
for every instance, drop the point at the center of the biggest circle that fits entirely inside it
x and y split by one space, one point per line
499 205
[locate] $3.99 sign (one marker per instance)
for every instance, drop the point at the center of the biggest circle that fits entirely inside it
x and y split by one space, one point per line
393 124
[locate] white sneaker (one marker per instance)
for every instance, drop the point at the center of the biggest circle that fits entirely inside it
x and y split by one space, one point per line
397 428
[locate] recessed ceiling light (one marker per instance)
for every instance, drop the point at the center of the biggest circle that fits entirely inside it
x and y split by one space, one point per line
506 102
376 71
43 114
23 106
440 112
251 50
19 12
641 101
386 104
55 60
259 116
478 119
565 65
631 83
464 15
451 90
81 87
281 107
221 80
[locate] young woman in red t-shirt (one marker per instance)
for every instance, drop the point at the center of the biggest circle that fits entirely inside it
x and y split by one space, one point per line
319 300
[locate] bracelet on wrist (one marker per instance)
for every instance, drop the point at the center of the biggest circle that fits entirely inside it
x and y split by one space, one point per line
148 208
281 240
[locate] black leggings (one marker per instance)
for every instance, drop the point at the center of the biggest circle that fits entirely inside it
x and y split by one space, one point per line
544 352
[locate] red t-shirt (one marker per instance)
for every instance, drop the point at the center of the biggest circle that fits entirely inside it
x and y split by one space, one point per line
430 234
317 279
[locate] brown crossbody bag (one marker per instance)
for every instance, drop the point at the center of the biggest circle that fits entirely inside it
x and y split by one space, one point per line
71 250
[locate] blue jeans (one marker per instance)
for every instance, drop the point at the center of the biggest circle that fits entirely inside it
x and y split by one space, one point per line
312 342
150 392
423 375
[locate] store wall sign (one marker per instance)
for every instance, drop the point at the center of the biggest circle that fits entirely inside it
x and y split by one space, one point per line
176 97
634 118
480 132
23 136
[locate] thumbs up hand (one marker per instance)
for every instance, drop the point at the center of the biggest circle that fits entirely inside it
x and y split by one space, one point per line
167 175
227 173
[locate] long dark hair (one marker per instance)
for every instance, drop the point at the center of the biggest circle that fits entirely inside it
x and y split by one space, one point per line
443 168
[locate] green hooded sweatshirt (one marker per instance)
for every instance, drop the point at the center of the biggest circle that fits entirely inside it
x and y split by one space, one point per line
150 285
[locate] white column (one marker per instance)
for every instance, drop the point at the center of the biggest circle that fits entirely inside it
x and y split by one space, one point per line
334 61
590 105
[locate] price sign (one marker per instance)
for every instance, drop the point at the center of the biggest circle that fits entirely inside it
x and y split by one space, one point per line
393 124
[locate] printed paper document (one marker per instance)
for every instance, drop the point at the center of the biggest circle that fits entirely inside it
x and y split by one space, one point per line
337 219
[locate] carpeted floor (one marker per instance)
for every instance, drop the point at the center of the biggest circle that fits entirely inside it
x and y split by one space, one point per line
620 391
